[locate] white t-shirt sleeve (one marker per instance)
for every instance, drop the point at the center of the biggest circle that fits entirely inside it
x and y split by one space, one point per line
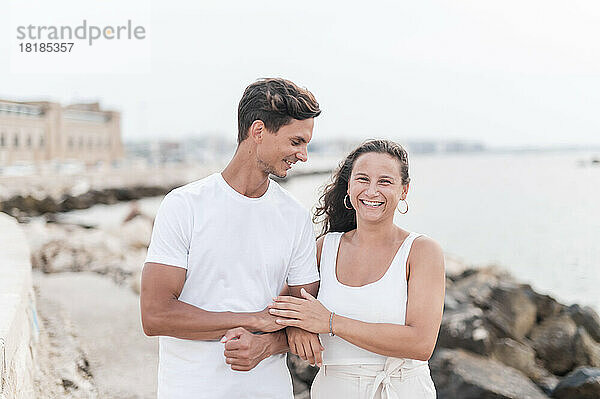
303 267
171 234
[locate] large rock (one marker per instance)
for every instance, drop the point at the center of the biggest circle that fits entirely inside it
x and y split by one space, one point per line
302 369
545 304
459 374
583 383
522 357
26 204
587 318
506 304
465 328
69 248
455 266
510 310
136 232
553 341
545 380
57 256
452 301
47 205
82 201
506 310
515 355
587 351
303 375
476 286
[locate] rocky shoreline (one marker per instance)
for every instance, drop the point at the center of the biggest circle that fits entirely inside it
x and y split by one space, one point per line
499 338
48 193
23 206
34 197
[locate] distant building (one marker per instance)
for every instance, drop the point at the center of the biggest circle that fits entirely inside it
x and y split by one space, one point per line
440 147
201 148
38 132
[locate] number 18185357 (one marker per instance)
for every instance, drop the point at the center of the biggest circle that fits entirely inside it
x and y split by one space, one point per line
46 47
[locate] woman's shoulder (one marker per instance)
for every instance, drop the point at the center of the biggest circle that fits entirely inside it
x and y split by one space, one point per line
328 236
321 242
425 243
426 250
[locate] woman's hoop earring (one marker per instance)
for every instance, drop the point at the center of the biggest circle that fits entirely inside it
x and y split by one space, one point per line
406 203
346 206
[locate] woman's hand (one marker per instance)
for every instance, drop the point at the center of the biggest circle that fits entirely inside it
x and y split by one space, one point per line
308 313
306 345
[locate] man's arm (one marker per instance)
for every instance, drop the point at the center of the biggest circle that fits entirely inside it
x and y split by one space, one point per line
244 350
164 314
312 288
303 343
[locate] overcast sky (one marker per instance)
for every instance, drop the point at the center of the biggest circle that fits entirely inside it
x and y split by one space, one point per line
507 73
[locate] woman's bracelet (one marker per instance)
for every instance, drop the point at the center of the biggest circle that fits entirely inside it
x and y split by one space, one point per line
331 334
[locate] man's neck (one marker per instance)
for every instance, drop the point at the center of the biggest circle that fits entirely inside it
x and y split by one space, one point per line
243 175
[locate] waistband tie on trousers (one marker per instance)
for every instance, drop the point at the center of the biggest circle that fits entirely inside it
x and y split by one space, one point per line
393 368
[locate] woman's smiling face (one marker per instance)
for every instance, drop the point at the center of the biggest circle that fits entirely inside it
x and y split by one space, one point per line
375 186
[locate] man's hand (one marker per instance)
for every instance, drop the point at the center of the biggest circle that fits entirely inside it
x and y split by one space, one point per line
244 350
306 345
265 321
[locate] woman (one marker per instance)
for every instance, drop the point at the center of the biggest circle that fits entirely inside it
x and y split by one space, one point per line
380 302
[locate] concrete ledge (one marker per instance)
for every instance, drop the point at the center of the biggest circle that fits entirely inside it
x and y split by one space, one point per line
18 318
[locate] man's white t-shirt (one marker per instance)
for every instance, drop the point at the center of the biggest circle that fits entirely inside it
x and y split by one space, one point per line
238 252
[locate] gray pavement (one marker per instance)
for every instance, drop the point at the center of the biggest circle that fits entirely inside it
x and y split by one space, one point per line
106 320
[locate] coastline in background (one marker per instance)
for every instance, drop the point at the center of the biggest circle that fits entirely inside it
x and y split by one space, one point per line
534 214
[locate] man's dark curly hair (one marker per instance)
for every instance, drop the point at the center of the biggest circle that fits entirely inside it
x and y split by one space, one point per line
276 102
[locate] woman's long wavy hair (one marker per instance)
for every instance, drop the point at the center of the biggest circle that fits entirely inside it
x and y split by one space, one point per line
331 211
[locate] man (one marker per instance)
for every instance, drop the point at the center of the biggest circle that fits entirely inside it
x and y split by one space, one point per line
222 247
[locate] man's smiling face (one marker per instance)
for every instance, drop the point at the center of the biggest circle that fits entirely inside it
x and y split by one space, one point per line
277 152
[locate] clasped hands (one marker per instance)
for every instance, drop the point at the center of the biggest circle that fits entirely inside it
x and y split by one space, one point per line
304 318
306 313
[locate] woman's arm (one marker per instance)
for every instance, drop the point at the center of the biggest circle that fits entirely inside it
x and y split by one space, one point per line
415 340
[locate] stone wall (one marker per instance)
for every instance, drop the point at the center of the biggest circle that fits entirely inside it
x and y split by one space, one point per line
18 318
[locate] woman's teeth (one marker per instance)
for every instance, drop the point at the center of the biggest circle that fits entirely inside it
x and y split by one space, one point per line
371 203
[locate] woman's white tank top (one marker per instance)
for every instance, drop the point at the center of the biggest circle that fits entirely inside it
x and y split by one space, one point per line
383 301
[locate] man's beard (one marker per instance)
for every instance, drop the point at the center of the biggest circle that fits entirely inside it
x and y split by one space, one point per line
266 168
